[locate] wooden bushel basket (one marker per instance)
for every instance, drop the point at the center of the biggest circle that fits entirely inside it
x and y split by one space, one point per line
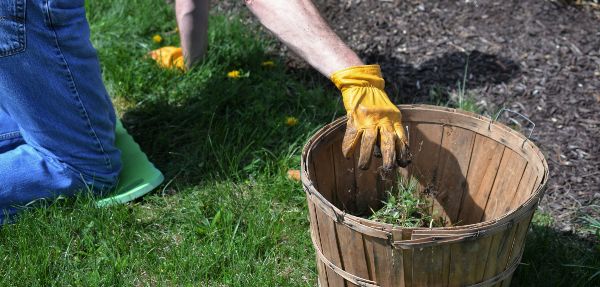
486 179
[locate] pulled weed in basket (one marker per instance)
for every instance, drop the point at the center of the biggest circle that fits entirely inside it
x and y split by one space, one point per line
406 207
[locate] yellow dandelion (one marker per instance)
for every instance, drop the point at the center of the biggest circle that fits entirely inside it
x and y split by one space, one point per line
268 64
234 74
157 39
291 121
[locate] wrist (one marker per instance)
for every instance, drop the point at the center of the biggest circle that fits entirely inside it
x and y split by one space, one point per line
339 59
361 76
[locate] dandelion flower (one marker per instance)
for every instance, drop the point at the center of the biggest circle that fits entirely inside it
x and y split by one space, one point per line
157 39
234 74
268 64
293 174
291 121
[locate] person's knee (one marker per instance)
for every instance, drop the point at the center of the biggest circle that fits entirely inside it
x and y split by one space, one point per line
106 178
99 176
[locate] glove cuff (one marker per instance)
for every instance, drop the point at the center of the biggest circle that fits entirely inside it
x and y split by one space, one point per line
362 76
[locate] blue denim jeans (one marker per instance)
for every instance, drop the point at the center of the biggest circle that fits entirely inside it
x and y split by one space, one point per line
56 119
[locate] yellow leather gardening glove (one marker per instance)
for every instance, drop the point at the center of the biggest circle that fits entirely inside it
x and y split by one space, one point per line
169 57
371 113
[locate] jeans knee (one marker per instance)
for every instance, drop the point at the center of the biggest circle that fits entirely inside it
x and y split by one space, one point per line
102 176
109 176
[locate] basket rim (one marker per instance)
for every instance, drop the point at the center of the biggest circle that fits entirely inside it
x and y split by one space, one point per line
390 230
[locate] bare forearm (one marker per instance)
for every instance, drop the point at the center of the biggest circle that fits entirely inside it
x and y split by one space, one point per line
298 24
192 20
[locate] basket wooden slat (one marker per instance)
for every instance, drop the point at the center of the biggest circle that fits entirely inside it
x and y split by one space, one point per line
485 160
329 246
405 172
315 232
453 164
425 137
486 179
511 167
525 189
352 252
464 255
516 250
344 178
370 258
385 263
325 174
371 253
420 274
369 190
498 254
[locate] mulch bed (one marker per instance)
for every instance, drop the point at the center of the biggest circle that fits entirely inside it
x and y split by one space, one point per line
537 57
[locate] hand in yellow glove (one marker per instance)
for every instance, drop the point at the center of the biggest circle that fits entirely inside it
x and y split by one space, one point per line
371 114
169 57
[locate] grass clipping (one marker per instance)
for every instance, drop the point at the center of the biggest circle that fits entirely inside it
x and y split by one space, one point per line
405 206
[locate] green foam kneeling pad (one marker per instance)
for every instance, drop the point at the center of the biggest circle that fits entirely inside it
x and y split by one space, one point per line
138 175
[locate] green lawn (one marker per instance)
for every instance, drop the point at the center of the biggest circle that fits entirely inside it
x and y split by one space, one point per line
226 215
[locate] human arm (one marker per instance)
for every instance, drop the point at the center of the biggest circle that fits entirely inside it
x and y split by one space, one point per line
298 24
192 20
327 55
372 118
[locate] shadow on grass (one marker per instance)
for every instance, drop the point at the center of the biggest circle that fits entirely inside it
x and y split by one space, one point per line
231 128
552 258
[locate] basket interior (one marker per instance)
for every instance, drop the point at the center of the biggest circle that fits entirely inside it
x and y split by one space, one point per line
473 174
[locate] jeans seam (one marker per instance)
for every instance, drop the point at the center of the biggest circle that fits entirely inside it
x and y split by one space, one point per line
22 41
9 135
73 88
69 171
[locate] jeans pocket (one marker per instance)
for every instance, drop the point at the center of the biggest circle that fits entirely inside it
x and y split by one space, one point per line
12 27
66 12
